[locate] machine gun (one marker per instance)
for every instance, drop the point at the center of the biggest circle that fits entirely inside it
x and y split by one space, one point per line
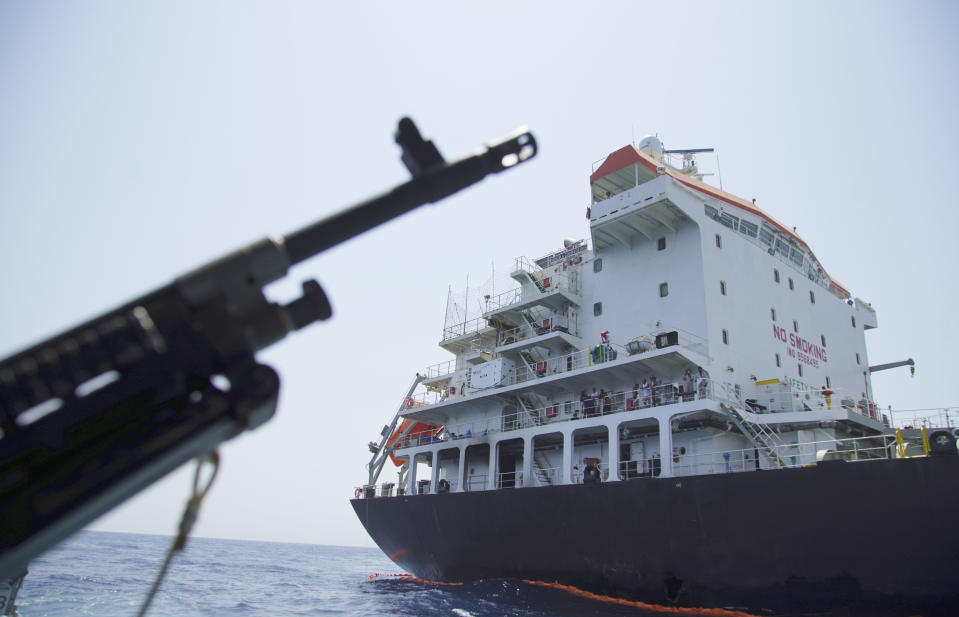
97 413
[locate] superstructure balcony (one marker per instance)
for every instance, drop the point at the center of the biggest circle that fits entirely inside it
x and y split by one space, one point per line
643 211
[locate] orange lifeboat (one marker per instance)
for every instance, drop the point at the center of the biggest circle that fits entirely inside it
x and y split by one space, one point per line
419 433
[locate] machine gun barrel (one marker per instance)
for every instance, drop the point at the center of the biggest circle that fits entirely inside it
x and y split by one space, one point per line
92 416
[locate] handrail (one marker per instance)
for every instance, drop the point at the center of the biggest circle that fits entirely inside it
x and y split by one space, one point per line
618 402
440 368
853 449
464 328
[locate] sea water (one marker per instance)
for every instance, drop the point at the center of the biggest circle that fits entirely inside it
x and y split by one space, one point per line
109 574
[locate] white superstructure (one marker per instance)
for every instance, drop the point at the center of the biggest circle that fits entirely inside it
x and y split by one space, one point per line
758 356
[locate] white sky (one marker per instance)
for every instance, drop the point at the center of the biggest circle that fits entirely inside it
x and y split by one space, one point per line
139 140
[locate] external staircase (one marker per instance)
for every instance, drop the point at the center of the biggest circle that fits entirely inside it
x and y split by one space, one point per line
531 403
543 471
762 436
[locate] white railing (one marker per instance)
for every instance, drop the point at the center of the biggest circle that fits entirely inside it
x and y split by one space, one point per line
565 411
605 404
509 479
852 450
546 476
946 417
528 331
464 328
792 455
507 298
561 255
476 482
442 368
577 474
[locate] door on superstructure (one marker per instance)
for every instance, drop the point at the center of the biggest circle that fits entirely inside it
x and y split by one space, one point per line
509 457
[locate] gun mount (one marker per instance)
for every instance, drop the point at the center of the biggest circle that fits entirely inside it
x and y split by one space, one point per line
95 414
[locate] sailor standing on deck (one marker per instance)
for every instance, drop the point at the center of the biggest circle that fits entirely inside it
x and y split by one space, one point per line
689 384
703 382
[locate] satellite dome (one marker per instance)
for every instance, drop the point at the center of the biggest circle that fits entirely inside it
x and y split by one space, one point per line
652 146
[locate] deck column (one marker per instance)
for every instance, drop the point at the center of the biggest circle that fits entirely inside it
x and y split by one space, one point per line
666 446
435 473
491 476
460 479
527 461
613 431
567 457
411 476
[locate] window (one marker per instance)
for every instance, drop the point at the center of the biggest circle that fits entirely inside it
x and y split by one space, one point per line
598 264
597 309
778 361
812 297
749 229
725 337
828 382
781 247
822 337
858 359
791 284
795 326
853 317
719 241
776 275
661 244
729 220
766 237
800 369
712 212
772 312
722 287
663 290
796 256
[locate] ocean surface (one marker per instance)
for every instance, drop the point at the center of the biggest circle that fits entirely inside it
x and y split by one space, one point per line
109 574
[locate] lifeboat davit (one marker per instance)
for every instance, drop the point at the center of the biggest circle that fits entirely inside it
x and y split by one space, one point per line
419 430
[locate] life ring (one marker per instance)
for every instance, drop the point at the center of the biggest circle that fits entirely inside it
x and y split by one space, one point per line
357 493
409 403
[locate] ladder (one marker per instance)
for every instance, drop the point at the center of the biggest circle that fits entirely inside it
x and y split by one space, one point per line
543 476
531 404
762 436
534 360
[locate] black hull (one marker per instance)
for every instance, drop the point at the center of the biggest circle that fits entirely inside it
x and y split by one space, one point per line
878 537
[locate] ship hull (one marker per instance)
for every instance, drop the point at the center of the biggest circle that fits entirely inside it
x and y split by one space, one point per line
879 536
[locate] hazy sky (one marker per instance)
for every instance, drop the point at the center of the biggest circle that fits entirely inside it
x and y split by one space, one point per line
138 140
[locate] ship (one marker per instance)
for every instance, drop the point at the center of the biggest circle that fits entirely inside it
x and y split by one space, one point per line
677 409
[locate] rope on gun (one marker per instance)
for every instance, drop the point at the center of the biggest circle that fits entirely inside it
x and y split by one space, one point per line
186 523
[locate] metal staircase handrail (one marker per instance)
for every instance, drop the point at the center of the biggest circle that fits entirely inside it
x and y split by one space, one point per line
760 435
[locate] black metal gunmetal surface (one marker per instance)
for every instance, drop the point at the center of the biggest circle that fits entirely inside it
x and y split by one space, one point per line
878 537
